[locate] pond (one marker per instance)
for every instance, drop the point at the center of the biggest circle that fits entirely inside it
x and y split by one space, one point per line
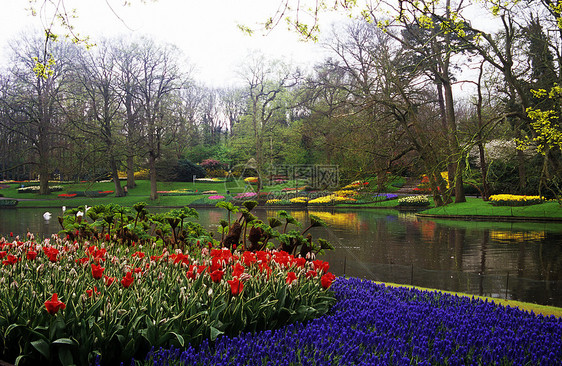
519 261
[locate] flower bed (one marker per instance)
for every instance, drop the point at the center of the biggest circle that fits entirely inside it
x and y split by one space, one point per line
330 199
413 201
376 325
385 197
515 200
70 301
178 192
35 189
245 196
210 180
90 194
358 184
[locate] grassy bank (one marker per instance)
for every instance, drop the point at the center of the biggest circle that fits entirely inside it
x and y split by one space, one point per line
477 207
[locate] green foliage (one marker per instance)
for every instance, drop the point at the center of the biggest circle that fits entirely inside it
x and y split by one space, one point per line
186 170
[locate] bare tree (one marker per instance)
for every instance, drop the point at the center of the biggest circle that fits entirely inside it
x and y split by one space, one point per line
32 103
265 83
96 73
158 79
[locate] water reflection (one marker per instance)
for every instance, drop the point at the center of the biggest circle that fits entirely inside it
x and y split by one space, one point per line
520 261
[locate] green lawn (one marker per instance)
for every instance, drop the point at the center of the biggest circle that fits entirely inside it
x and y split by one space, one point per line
478 207
140 193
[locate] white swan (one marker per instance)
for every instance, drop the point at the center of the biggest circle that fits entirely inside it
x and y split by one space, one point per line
63 209
47 215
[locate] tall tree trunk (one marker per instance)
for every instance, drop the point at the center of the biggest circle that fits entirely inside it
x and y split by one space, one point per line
453 144
115 176
130 172
152 168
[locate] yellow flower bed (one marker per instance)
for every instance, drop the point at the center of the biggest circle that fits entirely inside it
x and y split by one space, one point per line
299 200
345 193
515 200
272 201
356 185
331 198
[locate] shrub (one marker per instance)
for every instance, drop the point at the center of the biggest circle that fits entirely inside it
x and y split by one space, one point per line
143 174
185 171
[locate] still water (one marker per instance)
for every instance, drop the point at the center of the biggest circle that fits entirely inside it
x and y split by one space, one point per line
520 261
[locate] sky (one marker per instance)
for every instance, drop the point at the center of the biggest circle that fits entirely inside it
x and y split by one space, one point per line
205 30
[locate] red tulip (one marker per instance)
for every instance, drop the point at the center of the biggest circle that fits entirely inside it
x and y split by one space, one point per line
238 270
97 271
216 275
54 305
94 291
321 265
127 280
51 253
10 260
291 276
327 279
235 286
108 280
31 255
311 273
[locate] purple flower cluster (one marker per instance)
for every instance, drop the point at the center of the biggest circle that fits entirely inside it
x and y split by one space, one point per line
385 196
376 325
240 196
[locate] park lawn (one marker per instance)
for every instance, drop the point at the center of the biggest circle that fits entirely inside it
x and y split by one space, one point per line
478 207
140 193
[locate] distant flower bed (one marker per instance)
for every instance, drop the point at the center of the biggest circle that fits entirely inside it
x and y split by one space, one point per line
245 195
515 200
90 194
278 202
178 192
358 184
210 200
413 201
299 200
251 180
35 189
210 180
67 195
330 199
385 197
372 324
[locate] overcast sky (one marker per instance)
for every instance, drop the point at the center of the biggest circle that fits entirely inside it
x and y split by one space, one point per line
206 30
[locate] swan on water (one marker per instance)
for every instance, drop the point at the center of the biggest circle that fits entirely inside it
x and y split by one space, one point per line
47 215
